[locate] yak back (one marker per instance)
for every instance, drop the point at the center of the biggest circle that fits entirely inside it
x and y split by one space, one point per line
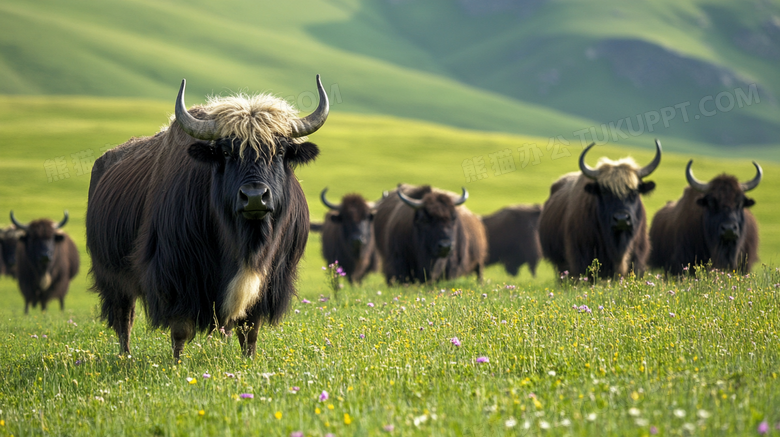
513 237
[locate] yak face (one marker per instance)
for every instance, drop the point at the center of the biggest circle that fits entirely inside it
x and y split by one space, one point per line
434 225
619 216
724 219
39 241
250 190
354 218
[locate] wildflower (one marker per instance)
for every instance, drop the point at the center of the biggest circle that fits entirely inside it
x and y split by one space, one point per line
591 417
634 412
347 419
206 376
653 430
296 434
484 295
650 283
78 362
704 414
294 389
671 314
370 304
483 360
278 415
317 410
45 336
388 428
731 297
601 307
430 323
305 301
422 328
763 427
323 396
201 413
455 341
511 422
192 381
551 295
230 375
671 292
679 413
297 311
362 335
247 396
327 342
544 425
33 336
565 422
552 373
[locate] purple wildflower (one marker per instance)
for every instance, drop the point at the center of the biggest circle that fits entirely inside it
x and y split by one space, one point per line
323 396
731 297
206 376
763 427
671 314
652 284
370 304
601 307
296 434
653 430
33 336
671 292
78 362
388 428
246 396
455 341
305 301
362 335
229 375
483 360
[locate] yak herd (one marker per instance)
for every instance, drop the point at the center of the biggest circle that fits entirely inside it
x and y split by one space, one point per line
206 222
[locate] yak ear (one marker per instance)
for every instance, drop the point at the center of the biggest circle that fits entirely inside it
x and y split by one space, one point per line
592 188
23 238
335 218
204 152
748 202
59 237
702 201
302 153
646 187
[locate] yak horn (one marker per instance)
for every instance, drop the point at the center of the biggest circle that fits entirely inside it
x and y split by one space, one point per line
463 197
649 168
414 203
693 182
747 186
591 173
326 202
17 224
309 124
64 220
200 129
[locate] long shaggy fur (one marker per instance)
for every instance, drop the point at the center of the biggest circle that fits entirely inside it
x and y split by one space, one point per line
619 176
401 245
679 232
39 285
513 237
8 238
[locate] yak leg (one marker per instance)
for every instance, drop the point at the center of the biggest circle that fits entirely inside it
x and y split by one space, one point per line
43 306
27 307
62 304
119 310
247 337
182 331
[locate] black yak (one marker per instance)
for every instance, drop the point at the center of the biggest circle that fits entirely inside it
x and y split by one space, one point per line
426 234
47 260
709 222
9 236
205 221
597 213
513 237
348 235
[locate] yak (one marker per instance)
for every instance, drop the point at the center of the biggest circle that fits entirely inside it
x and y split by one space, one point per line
513 237
348 235
205 221
426 234
47 260
597 213
9 237
709 223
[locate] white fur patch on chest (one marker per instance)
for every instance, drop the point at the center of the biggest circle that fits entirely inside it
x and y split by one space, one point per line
243 291
45 281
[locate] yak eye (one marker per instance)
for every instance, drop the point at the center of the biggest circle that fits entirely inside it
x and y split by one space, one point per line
226 153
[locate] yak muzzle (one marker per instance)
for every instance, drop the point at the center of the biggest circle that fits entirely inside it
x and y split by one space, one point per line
254 201
444 248
729 231
621 221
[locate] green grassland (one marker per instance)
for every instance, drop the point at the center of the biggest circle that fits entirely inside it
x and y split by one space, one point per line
550 70
692 361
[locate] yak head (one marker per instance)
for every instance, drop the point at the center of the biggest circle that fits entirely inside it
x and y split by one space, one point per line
253 144
435 219
617 186
353 217
39 238
724 203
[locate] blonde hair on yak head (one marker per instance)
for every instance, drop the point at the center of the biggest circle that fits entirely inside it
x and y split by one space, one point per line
619 176
254 119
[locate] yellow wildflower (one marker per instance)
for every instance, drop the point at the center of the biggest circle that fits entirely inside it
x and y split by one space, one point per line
278 415
347 419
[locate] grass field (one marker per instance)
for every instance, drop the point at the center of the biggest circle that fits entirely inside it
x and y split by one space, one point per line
680 358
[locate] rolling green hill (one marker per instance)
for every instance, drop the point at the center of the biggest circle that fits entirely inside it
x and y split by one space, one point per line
535 67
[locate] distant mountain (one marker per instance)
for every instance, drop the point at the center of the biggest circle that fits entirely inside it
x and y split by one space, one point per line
700 74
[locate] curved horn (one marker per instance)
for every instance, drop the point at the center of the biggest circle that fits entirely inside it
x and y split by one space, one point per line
17 224
309 124
693 182
649 168
64 220
747 186
200 129
463 197
326 202
591 173
414 203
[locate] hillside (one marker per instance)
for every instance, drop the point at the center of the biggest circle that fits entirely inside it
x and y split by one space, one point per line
531 67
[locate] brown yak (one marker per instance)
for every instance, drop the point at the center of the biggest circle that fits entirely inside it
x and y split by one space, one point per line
426 234
47 260
513 237
597 213
205 221
709 223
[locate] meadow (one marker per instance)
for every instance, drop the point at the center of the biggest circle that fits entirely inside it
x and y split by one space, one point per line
510 356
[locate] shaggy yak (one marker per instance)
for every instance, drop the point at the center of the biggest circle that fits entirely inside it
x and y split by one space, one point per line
47 260
513 237
426 234
9 236
597 213
348 236
709 222
205 221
